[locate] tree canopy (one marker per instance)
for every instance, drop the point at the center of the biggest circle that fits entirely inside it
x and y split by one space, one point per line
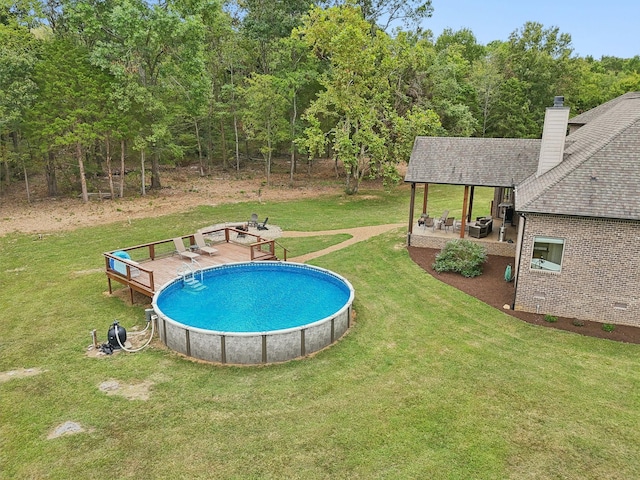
205 81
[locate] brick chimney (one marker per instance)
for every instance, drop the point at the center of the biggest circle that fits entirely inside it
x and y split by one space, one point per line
554 133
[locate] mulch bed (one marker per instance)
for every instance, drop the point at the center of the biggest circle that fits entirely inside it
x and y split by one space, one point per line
492 289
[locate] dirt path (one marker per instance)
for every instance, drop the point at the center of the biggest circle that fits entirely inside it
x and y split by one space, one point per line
358 234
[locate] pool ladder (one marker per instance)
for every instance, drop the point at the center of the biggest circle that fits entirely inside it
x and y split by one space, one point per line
188 275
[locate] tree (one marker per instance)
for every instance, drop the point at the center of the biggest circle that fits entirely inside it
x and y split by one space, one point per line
145 46
265 22
385 13
297 71
17 91
536 63
71 97
264 115
355 100
487 79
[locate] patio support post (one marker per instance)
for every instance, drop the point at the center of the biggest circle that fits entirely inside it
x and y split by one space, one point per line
412 203
473 188
424 200
464 210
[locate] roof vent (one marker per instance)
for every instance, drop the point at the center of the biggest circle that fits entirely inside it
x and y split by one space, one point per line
558 101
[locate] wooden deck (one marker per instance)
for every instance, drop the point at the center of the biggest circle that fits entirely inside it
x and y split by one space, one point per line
151 265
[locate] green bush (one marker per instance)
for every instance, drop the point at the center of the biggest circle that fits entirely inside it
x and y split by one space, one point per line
608 327
550 318
462 256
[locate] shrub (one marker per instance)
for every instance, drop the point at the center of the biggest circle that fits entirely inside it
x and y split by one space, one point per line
462 256
550 318
607 327
578 323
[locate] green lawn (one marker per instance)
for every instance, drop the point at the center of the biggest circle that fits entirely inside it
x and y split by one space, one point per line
429 383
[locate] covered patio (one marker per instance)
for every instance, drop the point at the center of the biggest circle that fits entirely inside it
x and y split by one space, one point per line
498 163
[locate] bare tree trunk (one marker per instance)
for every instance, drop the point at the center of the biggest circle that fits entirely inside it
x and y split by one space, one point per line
155 170
50 174
109 172
223 146
294 115
83 178
3 159
144 187
200 161
235 123
268 159
122 171
26 182
7 177
235 128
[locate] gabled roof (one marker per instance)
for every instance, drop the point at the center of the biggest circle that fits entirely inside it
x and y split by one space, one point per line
600 173
488 162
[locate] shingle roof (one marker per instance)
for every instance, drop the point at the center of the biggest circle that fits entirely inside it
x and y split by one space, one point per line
489 162
600 173
595 112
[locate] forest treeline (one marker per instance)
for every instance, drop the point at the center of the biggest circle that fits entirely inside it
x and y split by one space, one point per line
90 89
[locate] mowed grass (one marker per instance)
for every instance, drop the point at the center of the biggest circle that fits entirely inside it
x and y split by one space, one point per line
429 383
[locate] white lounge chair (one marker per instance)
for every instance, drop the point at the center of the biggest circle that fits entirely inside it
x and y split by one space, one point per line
182 251
202 246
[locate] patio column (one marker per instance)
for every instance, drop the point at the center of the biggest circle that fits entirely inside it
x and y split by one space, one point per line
424 200
464 210
412 203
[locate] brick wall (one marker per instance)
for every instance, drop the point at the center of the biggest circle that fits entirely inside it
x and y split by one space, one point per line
600 275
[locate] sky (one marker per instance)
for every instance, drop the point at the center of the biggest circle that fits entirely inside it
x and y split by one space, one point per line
597 28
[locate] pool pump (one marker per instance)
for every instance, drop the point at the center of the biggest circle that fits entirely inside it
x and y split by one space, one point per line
117 335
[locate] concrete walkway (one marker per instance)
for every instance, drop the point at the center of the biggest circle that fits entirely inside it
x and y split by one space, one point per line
358 234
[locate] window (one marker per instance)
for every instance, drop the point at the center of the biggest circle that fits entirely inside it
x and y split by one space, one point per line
547 254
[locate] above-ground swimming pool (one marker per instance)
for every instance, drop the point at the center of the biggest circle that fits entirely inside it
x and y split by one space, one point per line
254 312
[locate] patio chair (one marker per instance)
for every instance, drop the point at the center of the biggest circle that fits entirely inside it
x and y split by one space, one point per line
253 222
430 222
264 224
182 251
202 246
427 222
442 219
448 223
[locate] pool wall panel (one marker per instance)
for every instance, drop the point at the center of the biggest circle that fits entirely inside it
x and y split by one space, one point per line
341 323
243 349
317 337
176 338
206 346
283 347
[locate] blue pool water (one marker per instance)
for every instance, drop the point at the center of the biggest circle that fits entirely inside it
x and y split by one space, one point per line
255 297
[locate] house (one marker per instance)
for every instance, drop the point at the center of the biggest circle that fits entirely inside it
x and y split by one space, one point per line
576 201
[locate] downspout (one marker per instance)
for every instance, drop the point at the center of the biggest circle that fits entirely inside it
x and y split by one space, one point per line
519 263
